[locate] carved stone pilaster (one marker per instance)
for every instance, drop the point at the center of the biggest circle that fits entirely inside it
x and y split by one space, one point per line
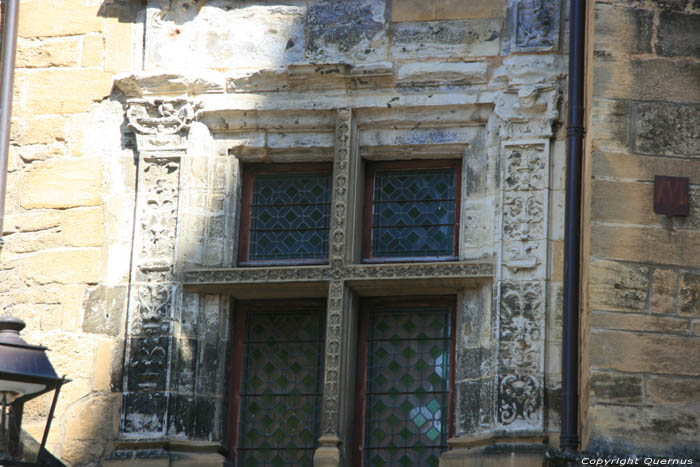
160 127
532 26
523 284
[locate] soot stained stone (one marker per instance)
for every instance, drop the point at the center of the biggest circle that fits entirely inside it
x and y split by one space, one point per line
343 24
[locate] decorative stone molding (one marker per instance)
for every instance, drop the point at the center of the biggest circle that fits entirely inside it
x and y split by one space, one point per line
194 278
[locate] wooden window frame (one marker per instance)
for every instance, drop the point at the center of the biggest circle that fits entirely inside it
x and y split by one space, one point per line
388 303
417 165
250 171
238 335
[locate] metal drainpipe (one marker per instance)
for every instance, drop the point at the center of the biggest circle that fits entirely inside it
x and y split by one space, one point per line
7 75
572 227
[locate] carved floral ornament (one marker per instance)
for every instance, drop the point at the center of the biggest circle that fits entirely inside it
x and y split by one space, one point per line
161 116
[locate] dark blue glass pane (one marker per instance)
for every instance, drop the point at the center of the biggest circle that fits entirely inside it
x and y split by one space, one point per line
407 387
281 389
413 213
290 217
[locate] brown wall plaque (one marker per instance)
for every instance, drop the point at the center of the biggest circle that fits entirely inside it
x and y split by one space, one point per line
671 195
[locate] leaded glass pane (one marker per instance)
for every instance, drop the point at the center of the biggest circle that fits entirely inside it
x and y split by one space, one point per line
407 387
290 216
413 213
281 388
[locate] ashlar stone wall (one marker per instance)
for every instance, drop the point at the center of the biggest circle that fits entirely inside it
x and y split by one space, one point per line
642 314
64 266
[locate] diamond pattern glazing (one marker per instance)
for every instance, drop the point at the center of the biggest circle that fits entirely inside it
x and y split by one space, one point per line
413 213
407 387
281 393
290 216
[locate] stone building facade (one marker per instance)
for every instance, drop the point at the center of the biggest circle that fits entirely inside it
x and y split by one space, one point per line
136 125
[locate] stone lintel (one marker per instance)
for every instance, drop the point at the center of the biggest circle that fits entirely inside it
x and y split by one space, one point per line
498 437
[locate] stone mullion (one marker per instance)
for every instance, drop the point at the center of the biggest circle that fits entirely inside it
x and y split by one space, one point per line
337 313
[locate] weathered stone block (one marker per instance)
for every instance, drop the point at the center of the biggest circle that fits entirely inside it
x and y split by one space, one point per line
39 130
670 4
83 226
619 165
412 10
443 73
181 415
44 54
31 221
677 34
642 244
657 430
104 363
459 9
617 286
93 50
454 38
68 18
186 354
93 419
689 294
663 291
667 129
663 390
644 353
647 80
610 125
119 23
695 327
622 30
104 309
75 265
353 28
62 184
633 201
79 88
603 320
619 389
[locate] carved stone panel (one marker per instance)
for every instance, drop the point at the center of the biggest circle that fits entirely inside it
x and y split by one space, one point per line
532 26
521 354
525 203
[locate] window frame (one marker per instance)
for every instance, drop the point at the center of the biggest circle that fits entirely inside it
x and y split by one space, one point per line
250 171
238 335
368 305
417 165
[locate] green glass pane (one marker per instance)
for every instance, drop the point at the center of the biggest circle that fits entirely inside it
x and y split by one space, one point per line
406 413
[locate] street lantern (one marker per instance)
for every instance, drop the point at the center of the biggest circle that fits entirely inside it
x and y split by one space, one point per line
25 373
